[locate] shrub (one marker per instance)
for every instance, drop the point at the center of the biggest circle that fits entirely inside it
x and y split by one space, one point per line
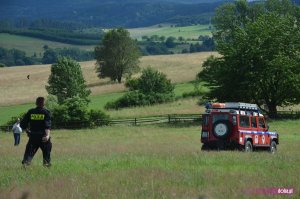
74 113
136 98
151 88
98 118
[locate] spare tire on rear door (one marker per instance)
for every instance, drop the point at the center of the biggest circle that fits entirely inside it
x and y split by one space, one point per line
221 129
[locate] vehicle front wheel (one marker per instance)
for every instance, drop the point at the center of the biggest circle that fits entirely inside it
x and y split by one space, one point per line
248 146
273 147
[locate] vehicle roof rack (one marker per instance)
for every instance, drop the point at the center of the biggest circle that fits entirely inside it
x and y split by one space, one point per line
236 105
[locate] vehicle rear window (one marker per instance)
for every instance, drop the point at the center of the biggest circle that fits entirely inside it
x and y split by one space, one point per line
218 117
244 121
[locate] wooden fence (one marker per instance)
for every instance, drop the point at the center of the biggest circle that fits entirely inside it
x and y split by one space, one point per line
172 118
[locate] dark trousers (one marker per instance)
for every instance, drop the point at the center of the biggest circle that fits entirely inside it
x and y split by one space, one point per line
17 137
34 143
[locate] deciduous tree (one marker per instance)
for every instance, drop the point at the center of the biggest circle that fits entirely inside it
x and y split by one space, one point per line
66 80
118 55
260 58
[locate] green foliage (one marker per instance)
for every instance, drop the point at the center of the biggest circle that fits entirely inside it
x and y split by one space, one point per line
98 118
71 110
153 81
74 113
66 80
137 98
152 87
170 42
208 44
118 56
156 48
260 61
50 55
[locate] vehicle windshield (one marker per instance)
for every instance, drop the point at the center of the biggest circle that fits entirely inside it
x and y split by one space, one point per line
218 117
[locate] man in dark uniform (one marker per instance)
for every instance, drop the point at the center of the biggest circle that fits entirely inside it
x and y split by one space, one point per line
39 122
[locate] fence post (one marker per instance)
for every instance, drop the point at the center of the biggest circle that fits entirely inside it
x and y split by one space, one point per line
135 121
169 118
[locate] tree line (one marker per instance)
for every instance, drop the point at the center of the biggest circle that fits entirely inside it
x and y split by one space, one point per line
14 57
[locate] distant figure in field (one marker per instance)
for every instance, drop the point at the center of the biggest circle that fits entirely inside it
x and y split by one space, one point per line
39 121
17 130
28 76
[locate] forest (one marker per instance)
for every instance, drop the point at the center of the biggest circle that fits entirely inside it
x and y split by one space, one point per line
126 13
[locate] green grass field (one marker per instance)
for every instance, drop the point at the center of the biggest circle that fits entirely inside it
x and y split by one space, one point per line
187 32
147 162
32 45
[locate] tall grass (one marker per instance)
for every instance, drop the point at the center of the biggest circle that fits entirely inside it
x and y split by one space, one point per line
147 162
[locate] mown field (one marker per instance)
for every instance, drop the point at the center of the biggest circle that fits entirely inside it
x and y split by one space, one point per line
148 162
33 45
187 32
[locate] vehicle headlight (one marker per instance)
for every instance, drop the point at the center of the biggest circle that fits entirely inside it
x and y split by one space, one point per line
204 134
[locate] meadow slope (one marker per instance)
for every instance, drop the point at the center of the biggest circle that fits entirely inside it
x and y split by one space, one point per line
15 88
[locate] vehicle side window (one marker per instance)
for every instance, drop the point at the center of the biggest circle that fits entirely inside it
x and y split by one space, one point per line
234 122
261 123
253 122
244 121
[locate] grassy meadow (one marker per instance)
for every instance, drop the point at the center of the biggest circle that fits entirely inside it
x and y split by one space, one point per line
99 101
33 45
148 162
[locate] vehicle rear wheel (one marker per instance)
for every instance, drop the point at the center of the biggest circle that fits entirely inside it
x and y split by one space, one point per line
221 129
248 146
273 147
